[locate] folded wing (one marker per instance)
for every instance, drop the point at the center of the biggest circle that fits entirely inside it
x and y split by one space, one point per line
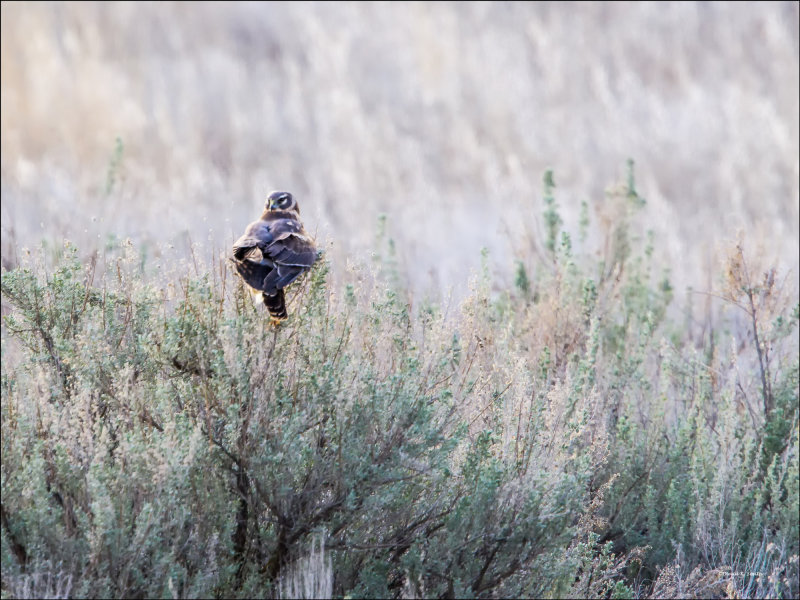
257 235
290 244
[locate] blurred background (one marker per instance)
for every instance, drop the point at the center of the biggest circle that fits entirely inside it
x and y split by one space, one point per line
167 123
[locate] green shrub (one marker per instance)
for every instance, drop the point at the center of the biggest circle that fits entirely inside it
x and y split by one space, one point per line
561 437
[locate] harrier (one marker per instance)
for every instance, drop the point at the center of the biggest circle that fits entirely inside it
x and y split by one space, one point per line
274 251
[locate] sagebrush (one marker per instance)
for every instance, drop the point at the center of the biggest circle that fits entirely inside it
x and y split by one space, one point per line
578 432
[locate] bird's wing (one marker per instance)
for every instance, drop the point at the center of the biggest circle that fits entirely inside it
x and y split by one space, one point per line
290 246
257 235
254 273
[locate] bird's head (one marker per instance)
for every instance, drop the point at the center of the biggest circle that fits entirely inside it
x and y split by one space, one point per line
281 201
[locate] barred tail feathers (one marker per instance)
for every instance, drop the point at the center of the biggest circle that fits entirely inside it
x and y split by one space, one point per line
276 305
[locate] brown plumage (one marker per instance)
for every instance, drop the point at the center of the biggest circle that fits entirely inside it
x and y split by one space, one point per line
274 251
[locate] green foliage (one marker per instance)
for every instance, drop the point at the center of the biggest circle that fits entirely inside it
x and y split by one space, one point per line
161 438
521 280
552 219
114 166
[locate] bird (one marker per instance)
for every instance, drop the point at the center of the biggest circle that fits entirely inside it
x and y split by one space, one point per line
274 251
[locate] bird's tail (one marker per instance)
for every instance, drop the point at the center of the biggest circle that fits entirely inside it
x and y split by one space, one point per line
276 305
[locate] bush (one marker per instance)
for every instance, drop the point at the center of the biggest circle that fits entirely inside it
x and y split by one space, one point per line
558 437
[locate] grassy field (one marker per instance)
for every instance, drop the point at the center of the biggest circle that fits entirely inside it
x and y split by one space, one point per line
500 380
441 116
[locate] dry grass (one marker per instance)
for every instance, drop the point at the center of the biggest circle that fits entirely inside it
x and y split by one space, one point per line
311 576
441 115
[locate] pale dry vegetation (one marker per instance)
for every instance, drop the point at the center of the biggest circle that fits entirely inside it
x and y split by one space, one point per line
441 115
499 388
